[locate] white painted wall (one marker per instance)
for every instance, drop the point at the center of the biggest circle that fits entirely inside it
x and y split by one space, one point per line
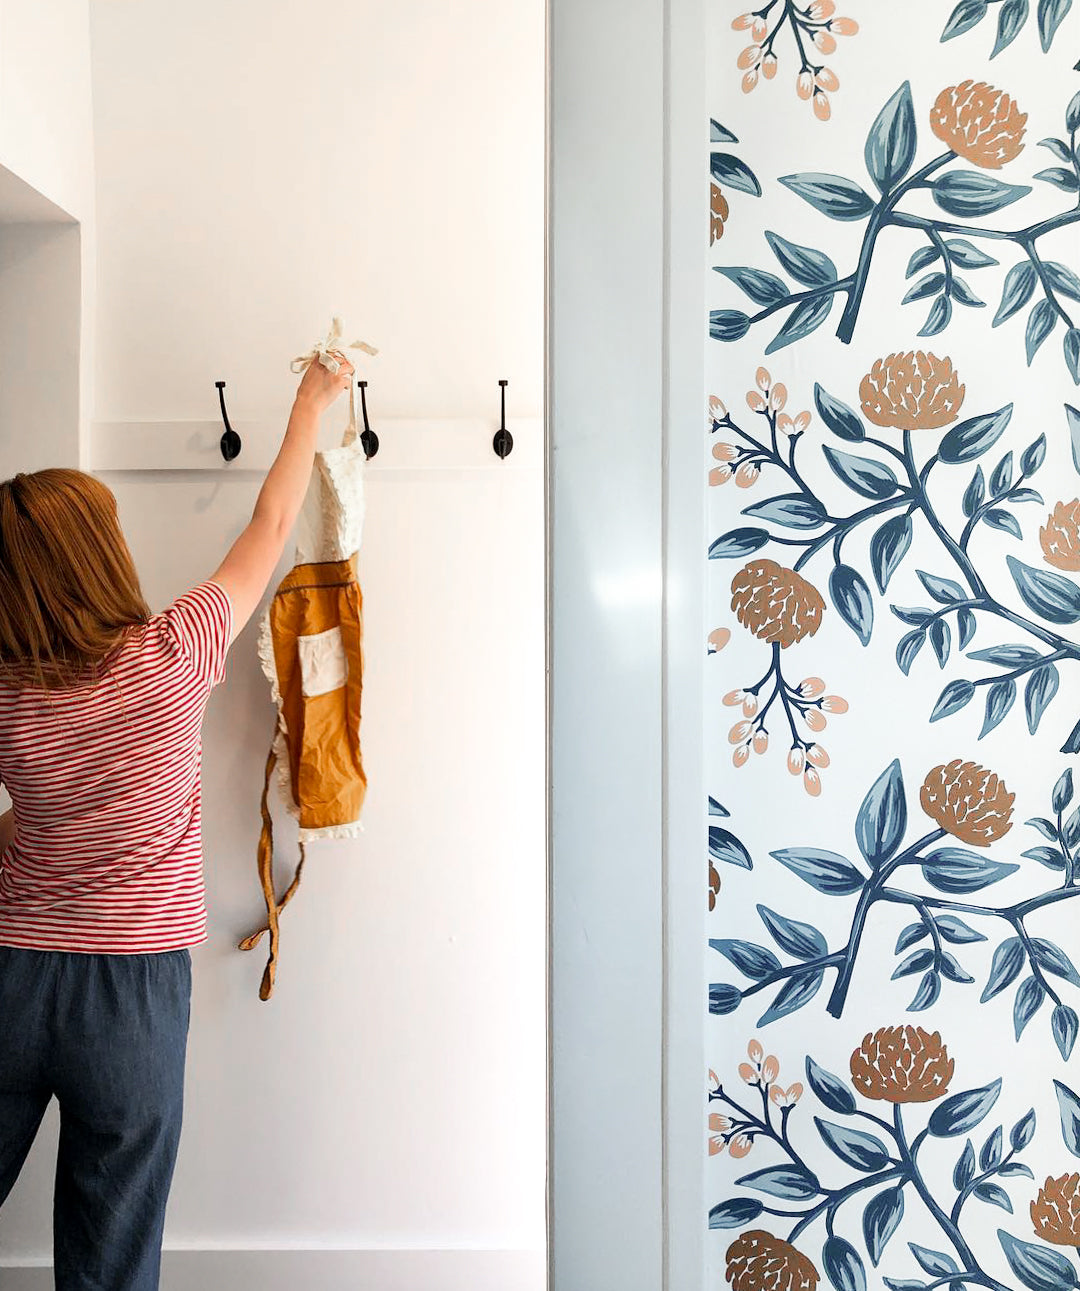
257 170
46 277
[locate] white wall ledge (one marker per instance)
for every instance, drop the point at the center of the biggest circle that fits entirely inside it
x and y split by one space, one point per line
405 445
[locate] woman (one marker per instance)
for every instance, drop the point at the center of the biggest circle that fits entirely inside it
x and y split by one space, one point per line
101 889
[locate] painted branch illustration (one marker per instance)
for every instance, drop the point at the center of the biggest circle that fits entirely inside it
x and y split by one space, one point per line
813 29
908 1069
972 806
978 124
910 394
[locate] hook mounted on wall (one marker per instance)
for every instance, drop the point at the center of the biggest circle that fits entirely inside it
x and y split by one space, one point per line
503 443
368 437
230 440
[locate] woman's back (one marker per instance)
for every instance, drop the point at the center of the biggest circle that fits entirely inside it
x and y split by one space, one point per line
107 854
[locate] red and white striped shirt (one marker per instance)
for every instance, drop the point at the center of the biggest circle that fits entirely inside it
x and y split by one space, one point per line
105 783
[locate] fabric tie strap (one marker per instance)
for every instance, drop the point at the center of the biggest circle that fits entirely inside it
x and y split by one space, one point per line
323 351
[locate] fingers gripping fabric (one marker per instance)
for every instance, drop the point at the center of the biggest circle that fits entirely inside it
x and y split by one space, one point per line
311 652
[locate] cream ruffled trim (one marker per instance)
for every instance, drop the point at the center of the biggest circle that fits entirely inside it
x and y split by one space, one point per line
281 749
353 830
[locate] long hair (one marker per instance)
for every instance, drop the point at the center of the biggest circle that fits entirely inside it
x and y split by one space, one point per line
68 586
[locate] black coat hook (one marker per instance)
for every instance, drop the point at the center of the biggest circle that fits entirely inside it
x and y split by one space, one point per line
368 437
503 443
230 440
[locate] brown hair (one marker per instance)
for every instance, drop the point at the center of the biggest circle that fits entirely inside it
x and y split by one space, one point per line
68 586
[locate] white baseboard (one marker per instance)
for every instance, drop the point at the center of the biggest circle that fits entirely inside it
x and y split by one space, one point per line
329 1271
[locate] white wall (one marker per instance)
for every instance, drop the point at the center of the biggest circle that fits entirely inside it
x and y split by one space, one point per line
46 145
256 171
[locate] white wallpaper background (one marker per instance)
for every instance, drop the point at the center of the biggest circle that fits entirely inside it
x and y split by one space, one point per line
893 679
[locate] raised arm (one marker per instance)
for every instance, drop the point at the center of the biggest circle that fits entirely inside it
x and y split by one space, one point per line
246 570
7 830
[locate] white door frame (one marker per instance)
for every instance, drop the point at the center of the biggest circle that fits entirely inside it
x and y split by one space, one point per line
625 351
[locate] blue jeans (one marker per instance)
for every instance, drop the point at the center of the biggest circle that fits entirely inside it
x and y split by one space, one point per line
107 1036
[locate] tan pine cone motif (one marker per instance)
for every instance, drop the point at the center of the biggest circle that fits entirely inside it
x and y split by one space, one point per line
757 1261
979 123
1055 1212
902 1065
1060 536
968 802
912 391
719 212
776 604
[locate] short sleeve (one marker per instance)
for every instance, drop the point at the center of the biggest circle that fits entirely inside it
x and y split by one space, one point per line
200 625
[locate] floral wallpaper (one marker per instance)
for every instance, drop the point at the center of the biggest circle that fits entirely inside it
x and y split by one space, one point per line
891 455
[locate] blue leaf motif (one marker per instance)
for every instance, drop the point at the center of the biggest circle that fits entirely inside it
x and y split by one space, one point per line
1064 1024
890 145
956 930
967 14
792 510
738 543
762 288
832 195
1051 13
826 871
962 1112
1072 417
881 1217
968 193
964 1170
735 1212
1029 999
806 265
789 1181
728 324
999 699
1022 1132
1051 596
805 318
1039 1267
796 992
907 649
1041 322
943 590
843 1265
1069 1110
862 474
720 134
802 940
939 317
927 994
955 695
751 960
734 173
1020 283
888 547
882 818
1009 959
829 1089
957 871
970 439
936 1263
724 998
1011 18
725 847
854 1147
1054 960
1063 790
839 418
852 599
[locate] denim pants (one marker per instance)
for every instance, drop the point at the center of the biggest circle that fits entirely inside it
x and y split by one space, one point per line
107 1036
